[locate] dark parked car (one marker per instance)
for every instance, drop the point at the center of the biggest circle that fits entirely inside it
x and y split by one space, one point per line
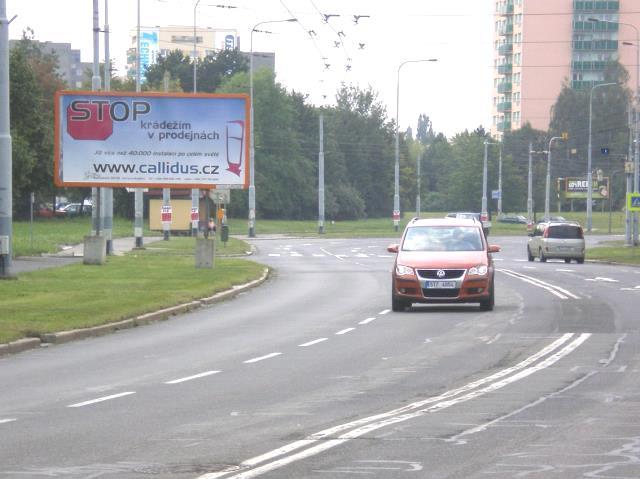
512 219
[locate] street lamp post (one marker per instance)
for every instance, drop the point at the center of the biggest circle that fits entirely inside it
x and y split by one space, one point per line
6 172
396 193
547 185
252 184
484 210
589 154
195 192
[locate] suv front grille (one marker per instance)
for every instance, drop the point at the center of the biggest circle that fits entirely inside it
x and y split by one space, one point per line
433 273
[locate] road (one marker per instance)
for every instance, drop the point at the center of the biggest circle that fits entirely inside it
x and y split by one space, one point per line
312 375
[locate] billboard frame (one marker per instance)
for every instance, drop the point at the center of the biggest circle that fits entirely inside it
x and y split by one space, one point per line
58 161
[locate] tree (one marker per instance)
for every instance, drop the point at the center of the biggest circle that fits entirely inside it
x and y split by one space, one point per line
33 82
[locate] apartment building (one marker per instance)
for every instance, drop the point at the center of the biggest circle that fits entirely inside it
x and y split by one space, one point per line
161 40
541 44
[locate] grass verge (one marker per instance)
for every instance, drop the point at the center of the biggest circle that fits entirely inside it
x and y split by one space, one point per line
615 252
80 296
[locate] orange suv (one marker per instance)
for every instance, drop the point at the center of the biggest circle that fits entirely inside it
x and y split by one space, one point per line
443 261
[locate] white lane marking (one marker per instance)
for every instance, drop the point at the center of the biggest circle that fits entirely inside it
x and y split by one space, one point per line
529 267
362 255
494 339
318 255
307 244
345 331
274 254
535 403
296 254
600 279
636 288
384 311
195 376
262 358
102 399
311 343
553 289
521 261
367 321
614 351
498 259
340 257
5 421
385 256
559 270
366 425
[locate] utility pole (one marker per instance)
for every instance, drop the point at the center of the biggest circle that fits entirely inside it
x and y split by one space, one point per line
418 206
321 177
96 214
166 192
6 205
107 192
138 198
500 182
530 187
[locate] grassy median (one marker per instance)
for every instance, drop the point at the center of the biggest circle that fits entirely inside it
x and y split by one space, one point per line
79 296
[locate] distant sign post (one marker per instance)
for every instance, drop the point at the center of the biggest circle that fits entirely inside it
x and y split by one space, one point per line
155 140
633 201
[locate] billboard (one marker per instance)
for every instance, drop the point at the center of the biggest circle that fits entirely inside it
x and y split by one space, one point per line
576 188
144 140
149 49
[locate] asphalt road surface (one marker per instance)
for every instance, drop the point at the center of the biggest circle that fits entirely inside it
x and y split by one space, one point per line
311 375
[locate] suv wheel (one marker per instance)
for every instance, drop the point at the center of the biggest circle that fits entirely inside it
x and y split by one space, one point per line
529 255
543 258
567 260
488 303
580 260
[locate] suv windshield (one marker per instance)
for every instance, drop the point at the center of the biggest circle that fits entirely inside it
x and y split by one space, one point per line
443 238
565 232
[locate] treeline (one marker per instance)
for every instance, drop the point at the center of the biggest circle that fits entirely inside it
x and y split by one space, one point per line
359 140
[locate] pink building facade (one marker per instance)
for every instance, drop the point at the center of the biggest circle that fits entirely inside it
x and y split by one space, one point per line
540 45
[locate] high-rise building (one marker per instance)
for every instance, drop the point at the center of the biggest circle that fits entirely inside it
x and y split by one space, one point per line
156 41
70 68
541 44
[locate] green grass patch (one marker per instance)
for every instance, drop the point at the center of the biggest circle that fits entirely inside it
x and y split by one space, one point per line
79 296
616 252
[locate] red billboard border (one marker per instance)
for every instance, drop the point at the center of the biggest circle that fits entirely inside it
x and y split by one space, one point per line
203 186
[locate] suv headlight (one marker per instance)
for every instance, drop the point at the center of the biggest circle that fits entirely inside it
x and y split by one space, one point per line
403 270
480 270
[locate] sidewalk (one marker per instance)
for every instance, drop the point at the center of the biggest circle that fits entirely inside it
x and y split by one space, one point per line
71 254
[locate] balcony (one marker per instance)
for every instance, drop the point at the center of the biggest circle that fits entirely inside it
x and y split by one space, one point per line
599 6
506 9
505 69
505 87
505 49
504 106
504 126
506 29
596 45
589 66
581 26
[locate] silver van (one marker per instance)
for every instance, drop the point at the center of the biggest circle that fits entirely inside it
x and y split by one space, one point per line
563 240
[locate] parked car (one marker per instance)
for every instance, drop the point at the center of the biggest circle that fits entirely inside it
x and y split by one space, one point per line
486 224
74 209
512 219
556 239
443 261
45 211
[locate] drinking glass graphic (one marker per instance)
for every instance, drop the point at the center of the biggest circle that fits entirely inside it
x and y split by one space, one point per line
235 146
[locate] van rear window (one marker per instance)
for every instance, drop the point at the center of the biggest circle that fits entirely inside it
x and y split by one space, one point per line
565 232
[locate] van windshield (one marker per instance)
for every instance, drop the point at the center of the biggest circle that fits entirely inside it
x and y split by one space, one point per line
565 232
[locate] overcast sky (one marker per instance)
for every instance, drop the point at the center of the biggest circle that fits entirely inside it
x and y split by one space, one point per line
455 91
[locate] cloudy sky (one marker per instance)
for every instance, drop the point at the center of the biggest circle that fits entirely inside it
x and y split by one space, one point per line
455 91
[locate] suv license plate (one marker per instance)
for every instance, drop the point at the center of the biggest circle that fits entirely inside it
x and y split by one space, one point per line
441 284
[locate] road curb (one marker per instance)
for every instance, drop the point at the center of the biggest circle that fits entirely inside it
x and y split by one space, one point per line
140 320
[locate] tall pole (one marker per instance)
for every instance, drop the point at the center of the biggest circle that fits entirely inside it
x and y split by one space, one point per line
252 153
195 193
107 192
530 187
138 199
321 177
96 193
484 213
166 192
589 155
6 175
418 205
396 182
547 184
500 182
